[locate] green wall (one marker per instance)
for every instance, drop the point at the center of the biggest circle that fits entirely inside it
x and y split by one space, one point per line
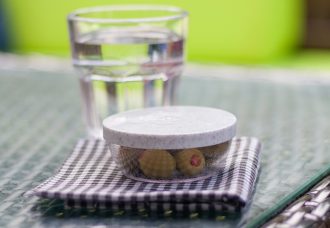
236 31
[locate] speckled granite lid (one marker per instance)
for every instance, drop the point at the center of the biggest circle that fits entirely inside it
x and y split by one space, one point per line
173 127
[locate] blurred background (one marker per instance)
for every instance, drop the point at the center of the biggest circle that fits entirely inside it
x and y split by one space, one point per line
292 33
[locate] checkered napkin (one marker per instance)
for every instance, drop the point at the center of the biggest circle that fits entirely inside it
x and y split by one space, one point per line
90 178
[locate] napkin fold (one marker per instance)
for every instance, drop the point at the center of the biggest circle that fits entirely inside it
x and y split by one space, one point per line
90 178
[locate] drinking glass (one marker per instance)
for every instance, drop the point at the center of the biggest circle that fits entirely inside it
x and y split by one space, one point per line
127 57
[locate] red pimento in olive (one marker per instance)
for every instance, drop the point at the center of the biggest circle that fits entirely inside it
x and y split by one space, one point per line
190 162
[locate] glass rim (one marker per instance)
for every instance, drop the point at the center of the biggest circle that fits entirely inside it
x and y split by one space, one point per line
77 15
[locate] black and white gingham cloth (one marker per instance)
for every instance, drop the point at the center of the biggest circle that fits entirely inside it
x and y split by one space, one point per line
90 178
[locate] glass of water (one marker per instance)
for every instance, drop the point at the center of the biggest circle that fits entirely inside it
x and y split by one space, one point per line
127 57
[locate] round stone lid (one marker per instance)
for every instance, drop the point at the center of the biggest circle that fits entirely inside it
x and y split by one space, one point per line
172 127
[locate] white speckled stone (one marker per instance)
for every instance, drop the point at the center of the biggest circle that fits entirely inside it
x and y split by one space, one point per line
173 127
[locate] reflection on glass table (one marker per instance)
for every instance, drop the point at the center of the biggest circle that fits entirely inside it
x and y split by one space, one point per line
40 119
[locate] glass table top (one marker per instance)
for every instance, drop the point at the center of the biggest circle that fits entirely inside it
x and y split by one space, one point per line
40 121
